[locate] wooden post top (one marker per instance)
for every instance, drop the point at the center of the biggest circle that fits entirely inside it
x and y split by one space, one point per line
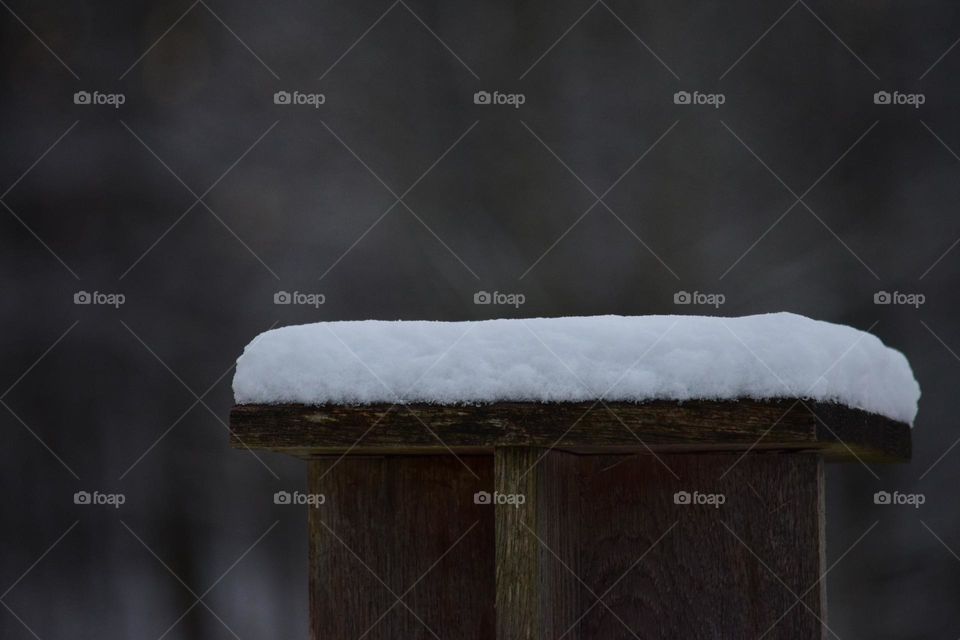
838 432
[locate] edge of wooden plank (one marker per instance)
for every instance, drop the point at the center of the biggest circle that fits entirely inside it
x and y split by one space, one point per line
838 432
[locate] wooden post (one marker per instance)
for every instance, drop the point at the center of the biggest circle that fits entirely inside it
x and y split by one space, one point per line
527 521
538 529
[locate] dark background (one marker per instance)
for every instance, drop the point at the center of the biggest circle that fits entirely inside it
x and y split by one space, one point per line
98 398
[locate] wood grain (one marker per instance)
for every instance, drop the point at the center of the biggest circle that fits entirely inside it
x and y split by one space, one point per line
602 549
837 432
537 551
390 519
727 572
599 548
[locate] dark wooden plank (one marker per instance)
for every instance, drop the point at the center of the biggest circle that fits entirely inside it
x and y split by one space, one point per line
693 571
835 431
390 519
537 543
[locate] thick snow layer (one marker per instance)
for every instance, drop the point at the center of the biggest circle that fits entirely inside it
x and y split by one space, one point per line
575 359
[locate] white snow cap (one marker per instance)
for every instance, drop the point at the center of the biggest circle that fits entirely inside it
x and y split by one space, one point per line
617 358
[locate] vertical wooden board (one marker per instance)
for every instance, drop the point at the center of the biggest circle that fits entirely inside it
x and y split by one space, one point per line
517 552
560 535
704 577
537 548
398 519
517 567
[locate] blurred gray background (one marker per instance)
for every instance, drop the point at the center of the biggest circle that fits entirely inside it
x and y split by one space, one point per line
133 399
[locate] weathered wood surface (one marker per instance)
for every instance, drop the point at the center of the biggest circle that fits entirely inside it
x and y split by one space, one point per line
538 542
835 431
601 549
666 570
389 528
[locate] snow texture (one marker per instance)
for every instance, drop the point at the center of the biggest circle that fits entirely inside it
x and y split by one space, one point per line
573 359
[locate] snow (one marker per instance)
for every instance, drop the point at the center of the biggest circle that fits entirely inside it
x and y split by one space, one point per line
615 358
